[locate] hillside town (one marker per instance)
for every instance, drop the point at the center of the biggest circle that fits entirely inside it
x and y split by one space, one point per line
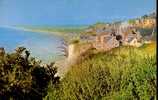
105 37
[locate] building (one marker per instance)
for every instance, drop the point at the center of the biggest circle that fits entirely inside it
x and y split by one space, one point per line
126 36
105 41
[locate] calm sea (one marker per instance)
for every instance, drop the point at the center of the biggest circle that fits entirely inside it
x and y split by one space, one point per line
42 46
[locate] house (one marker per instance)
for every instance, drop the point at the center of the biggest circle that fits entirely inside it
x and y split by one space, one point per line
145 23
107 40
134 42
132 37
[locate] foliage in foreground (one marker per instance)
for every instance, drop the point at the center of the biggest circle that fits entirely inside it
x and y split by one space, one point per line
22 77
122 74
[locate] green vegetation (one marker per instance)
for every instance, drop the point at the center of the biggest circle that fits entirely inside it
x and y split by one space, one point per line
75 41
132 21
125 73
23 77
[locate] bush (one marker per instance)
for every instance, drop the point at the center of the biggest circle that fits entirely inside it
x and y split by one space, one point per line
23 77
74 41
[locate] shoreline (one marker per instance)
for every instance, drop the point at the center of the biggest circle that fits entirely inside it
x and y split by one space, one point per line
60 34
55 33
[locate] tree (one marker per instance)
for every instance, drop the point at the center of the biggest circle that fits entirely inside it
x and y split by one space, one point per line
145 16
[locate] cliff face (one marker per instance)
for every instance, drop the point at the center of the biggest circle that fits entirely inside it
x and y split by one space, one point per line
75 52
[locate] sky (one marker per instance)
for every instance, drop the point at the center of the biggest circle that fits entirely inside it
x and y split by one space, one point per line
71 12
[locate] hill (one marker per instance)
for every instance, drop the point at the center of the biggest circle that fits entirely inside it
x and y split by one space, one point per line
120 74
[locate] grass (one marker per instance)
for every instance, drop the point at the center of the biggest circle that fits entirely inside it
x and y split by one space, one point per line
125 73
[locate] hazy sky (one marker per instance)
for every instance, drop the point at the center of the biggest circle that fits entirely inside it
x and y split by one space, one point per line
70 12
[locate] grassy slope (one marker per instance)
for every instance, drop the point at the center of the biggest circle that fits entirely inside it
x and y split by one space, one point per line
123 73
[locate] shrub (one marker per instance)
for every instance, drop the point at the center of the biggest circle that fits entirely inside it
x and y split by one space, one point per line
74 41
23 77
